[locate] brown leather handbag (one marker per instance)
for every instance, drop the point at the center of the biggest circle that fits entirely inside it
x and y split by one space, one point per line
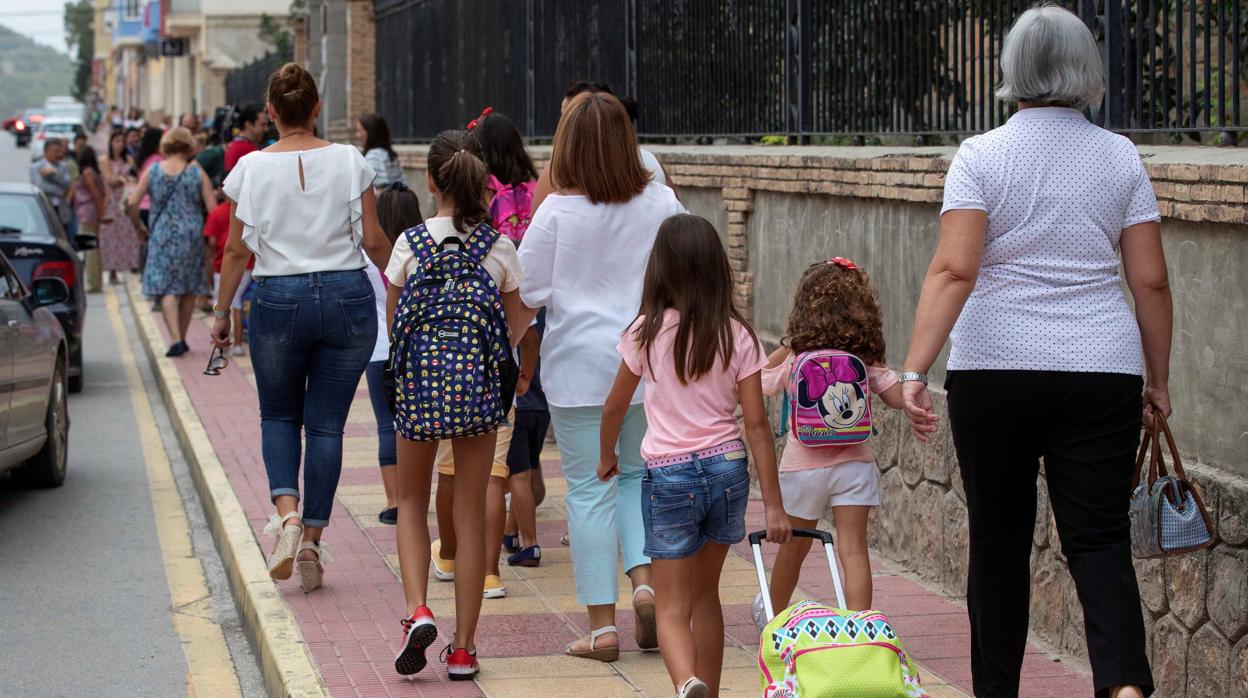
1168 516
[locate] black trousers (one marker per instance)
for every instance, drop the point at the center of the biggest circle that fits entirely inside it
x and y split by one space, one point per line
1086 427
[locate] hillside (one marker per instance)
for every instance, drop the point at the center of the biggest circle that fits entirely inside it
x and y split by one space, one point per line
30 72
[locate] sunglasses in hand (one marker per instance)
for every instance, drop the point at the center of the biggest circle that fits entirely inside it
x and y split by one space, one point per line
217 362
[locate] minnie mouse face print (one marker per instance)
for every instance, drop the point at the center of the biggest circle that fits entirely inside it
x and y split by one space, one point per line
829 399
835 391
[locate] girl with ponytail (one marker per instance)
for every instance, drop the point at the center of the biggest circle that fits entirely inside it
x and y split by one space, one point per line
450 388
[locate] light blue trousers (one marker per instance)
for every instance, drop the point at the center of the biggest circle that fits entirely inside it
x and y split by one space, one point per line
604 518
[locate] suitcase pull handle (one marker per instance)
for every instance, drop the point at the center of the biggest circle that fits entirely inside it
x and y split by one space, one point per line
825 537
756 539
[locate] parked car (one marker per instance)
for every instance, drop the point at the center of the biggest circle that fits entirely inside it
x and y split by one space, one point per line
34 414
32 237
60 126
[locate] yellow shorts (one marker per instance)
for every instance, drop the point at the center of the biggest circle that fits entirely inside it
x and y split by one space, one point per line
446 461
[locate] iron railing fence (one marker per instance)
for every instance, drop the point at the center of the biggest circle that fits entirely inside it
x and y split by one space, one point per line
245 85
795 68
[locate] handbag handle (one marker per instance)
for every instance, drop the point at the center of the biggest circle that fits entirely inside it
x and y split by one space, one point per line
1151 444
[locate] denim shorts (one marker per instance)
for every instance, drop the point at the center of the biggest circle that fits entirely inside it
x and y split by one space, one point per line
685 505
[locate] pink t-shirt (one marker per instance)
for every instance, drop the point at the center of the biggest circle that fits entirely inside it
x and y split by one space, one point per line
700 414
799 457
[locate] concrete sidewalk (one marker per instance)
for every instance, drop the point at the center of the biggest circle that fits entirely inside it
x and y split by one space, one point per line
350 627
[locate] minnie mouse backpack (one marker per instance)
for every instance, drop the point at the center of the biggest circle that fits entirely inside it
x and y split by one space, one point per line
829 399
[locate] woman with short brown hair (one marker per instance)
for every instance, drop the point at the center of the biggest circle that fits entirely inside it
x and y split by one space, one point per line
601 222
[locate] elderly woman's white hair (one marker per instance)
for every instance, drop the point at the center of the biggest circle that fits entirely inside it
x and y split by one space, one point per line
1049 57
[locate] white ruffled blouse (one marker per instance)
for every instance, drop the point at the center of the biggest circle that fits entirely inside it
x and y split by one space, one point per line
295 229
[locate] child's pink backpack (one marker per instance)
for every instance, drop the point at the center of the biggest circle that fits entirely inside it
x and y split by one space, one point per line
511 209
829 399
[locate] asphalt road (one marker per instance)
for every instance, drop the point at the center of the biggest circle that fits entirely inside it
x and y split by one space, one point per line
85 603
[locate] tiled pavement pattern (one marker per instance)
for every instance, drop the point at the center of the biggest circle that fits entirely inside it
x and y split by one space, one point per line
351 626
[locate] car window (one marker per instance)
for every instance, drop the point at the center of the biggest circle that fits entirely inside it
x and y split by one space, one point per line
61 128
20 214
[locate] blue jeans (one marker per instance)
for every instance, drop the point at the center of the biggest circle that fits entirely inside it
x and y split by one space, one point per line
604 518
387 447
686 505
311 338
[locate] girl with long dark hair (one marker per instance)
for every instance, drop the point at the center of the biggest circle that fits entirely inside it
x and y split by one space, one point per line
373 133
700 360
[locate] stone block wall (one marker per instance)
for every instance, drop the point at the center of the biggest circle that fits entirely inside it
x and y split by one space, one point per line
778 209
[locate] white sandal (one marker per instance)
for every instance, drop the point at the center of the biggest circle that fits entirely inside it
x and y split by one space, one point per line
312 572
693 687
282 560
602 654
647 632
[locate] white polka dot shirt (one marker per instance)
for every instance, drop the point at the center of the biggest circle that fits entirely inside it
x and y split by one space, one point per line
1058 191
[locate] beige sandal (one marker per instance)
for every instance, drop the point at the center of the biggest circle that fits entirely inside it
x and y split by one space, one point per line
312 572
602 654
647 632
282 560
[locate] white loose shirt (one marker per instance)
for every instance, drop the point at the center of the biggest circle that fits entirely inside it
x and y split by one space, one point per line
584 262
299 230
1058 191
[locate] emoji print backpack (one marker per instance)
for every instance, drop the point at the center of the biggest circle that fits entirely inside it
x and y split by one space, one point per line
450 348
829 399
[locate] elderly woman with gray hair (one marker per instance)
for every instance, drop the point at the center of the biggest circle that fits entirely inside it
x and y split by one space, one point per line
1048 361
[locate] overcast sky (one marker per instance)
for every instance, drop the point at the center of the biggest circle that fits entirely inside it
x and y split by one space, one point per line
42 20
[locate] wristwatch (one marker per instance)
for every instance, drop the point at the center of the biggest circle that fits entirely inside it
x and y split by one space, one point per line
222 314
913 376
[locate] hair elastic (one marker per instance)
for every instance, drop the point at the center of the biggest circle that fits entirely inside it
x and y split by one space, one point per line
843 263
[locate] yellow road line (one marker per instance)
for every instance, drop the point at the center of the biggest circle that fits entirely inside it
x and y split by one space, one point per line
210 670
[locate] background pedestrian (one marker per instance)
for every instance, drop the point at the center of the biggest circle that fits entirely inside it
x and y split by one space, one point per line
118 241
397 210
373 134
180 192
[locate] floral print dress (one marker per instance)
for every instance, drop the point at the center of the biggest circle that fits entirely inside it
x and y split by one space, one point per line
175 250
119 244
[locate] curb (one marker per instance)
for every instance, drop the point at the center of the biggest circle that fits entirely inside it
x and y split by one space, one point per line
270 626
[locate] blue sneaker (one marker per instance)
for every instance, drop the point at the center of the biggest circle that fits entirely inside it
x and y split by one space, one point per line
511 543
526 557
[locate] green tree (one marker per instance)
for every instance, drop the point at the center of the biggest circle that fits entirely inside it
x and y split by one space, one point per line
80 37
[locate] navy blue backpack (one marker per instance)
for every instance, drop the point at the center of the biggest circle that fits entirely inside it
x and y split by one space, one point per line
450 348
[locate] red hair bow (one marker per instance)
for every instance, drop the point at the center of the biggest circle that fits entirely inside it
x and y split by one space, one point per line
484 113
843 263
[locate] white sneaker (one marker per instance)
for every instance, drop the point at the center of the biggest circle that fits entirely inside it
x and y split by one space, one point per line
759 611
238 350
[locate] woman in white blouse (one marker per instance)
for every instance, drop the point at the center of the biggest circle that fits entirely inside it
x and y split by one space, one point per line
1048 360
305 208
584 256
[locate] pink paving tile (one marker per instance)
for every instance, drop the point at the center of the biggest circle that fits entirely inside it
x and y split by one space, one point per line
351 626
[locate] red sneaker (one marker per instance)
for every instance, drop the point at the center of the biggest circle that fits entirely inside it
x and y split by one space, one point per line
461 665
419 632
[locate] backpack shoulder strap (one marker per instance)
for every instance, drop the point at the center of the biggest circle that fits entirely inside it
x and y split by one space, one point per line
481 241
421 242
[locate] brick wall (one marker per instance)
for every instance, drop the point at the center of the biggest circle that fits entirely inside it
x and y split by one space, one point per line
361 59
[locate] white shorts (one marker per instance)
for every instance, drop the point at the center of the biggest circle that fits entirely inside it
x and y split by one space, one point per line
237 303
808 493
